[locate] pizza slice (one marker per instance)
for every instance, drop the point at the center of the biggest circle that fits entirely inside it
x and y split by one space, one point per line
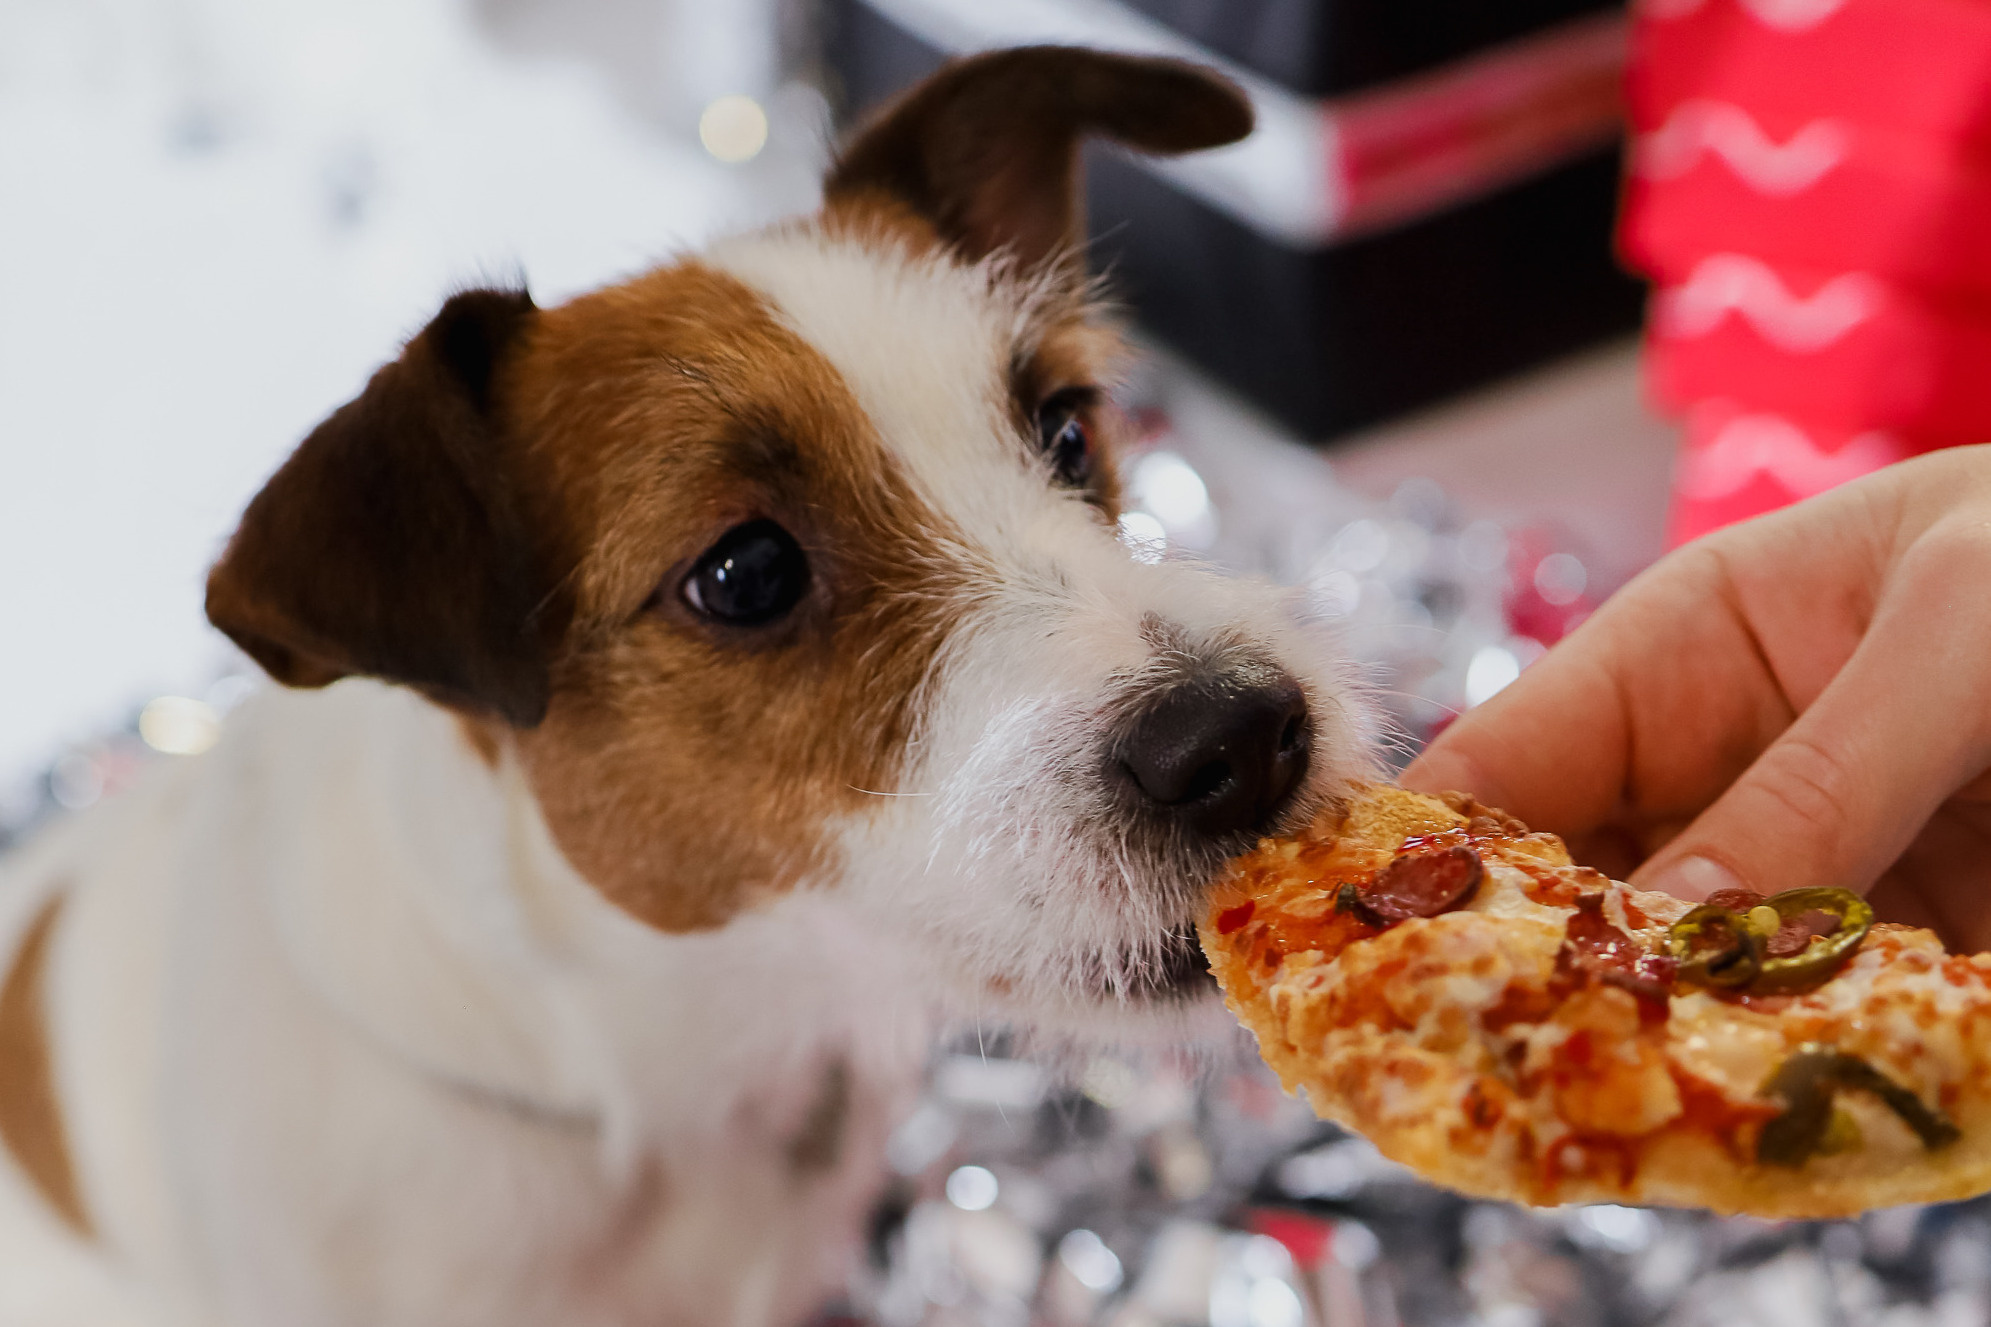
1512 1025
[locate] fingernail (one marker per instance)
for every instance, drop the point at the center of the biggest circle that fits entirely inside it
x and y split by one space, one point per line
1693 878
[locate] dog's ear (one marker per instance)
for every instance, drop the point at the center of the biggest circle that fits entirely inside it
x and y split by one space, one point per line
390 544
986 149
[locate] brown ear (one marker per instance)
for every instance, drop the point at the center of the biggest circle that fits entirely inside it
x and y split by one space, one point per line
986 149
390 544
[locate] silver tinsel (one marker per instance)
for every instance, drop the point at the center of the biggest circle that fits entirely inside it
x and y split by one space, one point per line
1190 1191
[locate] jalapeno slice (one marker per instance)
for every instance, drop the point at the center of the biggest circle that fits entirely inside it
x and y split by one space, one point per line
1719 947
1715 947
1805 1084
1822 956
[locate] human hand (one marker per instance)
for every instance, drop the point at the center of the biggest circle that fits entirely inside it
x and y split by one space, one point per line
1804 699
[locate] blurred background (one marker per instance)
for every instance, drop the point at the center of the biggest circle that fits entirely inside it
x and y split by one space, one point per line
1393 355
217 217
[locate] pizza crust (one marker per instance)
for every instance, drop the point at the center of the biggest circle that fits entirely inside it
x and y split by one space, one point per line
1459 1047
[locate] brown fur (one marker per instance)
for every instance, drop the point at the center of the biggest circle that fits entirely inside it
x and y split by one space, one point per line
1078 351
1073 346
987 148
393 543
870 217
484 737
505 517
687 768
30 1114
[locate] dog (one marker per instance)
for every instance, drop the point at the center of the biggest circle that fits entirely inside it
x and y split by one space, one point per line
694 696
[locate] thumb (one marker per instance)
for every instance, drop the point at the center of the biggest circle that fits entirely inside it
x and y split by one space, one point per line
1840 795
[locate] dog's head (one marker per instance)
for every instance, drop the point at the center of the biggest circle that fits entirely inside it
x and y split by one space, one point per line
794 565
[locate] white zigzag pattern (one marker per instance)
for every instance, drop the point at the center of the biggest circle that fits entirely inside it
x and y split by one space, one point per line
1771 445
1786 15
1727 131
1726 283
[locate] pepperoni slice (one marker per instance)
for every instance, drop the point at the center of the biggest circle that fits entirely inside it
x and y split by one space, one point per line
1423 884
1792 937
1795 935
1592 947
1234 919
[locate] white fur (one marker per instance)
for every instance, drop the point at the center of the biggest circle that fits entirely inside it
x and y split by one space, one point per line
343 1041
994 859
367 969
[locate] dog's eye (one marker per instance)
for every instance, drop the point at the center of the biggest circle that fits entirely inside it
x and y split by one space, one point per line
1062 433
751 577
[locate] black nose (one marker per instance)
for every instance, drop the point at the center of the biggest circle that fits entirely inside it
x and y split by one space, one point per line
1221 757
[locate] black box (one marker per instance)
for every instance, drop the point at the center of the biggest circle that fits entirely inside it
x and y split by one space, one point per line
1322 50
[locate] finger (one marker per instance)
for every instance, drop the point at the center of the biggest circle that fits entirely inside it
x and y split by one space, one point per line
1943 879
1641 717
1549 748
1839 796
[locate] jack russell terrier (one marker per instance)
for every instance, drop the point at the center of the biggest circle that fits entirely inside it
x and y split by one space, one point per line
702 691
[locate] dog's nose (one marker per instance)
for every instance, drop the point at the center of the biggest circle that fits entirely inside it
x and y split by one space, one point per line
1222 756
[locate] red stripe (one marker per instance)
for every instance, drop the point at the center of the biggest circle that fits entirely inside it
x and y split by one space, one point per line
1416 145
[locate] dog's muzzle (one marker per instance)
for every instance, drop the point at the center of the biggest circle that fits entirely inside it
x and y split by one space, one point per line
1205 760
